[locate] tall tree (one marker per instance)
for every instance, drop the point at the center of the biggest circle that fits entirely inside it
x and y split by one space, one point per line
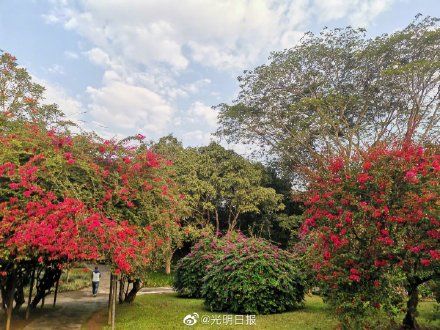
337 92
219 185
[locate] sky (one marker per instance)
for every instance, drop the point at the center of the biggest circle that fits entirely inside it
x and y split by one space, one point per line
155 67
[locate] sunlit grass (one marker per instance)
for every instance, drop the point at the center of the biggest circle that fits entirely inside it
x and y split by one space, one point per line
166 311
155 279
75 279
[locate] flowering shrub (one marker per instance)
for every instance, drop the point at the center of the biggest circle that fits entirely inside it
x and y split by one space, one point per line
68 197
373 224
57 210
252 276
192 268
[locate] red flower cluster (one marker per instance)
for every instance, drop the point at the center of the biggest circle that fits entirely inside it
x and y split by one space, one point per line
380 206
53 212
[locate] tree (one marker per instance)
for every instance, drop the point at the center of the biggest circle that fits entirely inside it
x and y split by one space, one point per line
218 185
21 98
280 227
46 185
193 224
68 197
338 92
47 223
236 184
373 225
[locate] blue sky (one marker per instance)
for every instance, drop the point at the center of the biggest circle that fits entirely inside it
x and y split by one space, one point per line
156 67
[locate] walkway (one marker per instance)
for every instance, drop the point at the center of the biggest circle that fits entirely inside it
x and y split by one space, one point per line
75 308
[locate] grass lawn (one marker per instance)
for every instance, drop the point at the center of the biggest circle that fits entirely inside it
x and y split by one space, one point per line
154 279
75 279
166 311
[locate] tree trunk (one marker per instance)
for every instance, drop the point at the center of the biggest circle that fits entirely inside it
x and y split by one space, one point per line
19 296
10 306
217 224
31 287
168 258
137 285
126 291
45 284
409 322
121 289
115 289
233 223
4 294
110 296
56 291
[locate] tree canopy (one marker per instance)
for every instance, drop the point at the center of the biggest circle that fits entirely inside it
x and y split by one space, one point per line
338 92
219 185
67 197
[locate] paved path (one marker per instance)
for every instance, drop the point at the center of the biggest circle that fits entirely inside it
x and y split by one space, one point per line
162 289
75 308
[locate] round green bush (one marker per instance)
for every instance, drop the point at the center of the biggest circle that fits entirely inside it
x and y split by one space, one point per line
191 269
253 277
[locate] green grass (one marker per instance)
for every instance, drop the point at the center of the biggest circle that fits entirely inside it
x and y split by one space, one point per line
429 314
166 311
78 278
154 279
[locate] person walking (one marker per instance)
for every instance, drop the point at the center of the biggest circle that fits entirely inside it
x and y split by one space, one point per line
96 276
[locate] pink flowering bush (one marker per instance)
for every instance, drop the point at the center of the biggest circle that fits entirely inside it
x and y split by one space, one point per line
252 276
193 268
67 197
372 227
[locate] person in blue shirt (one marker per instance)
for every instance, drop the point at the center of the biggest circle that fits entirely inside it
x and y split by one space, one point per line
96 276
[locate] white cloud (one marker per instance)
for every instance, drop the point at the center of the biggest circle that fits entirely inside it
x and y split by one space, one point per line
225 34
70 106
98 57
50 18
196 85
71 55
211 55
201 111
290 38
128 108
358 12
150 50
368 11
229 34
196 137
242 149
187 89
56 69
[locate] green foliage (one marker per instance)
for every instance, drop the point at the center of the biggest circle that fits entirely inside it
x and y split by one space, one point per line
192 269
432 289
188 277
220 186
253 277
337 91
